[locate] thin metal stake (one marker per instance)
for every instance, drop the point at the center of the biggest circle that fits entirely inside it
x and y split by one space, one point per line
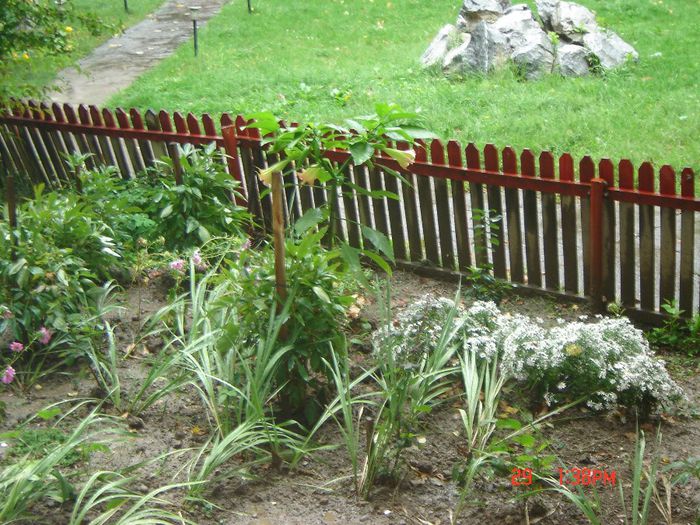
250 8
194 30
126 5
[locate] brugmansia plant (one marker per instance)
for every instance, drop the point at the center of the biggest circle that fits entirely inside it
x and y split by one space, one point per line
361 139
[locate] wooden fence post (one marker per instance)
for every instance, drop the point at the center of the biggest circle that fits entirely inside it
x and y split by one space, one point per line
231 150
177 167
596 243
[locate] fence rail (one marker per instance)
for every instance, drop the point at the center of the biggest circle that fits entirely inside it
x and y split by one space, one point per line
604 232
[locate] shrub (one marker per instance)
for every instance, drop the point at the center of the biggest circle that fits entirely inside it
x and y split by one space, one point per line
202 206
608 360
319 291
67 222
153 205
43 286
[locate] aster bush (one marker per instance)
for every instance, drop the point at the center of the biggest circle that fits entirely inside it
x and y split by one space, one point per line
606 359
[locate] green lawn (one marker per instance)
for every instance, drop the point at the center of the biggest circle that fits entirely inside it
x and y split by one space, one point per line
41 71
302 59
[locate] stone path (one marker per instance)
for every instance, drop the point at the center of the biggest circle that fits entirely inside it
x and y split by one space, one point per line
118 62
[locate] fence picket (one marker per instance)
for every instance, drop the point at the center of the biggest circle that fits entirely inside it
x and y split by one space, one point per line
52 159
381 223
144 146
532 223
411 214
647 231
93 141
606 171
350 206
108 157
569 228
628 255
80 138
513 219
497 238
180 123
258 157
117 145
476 198
193 125
398 239
55 145
586 174
550 226
425 199
442 207
667 266
688 219
132 148
70 145
454 159
153 123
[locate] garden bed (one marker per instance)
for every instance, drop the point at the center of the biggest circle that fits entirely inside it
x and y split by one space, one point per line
319 489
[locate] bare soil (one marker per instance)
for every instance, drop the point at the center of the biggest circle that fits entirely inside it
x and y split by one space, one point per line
320 491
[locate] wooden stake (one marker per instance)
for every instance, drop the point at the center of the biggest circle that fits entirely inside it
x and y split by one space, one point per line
278 239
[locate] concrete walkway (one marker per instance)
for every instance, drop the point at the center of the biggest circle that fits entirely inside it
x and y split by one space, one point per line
118 62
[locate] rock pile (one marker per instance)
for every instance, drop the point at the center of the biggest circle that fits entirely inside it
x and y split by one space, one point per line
489 34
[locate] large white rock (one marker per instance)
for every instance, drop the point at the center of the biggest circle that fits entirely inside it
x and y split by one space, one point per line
545 10
610 49
521 29
572 60
573 21
485 50
491 33
438 48
475 11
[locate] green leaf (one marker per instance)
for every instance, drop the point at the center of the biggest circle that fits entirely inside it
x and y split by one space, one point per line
361 152
61 276
17 266
311 218
203 234
524 458
191 225
510 424
378 259
48 413
526 440
321 293
380 241
166 211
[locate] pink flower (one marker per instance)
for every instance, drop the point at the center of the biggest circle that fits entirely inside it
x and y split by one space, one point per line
16 346
178 265
8 376
7 314
45 334
246 245
197 258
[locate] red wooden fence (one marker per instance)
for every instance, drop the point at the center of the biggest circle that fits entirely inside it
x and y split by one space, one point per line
603 231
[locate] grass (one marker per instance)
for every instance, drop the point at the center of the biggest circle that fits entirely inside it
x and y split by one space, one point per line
331 59
42 70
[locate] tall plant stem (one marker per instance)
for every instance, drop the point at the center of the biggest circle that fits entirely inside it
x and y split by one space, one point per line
332 189
278 238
